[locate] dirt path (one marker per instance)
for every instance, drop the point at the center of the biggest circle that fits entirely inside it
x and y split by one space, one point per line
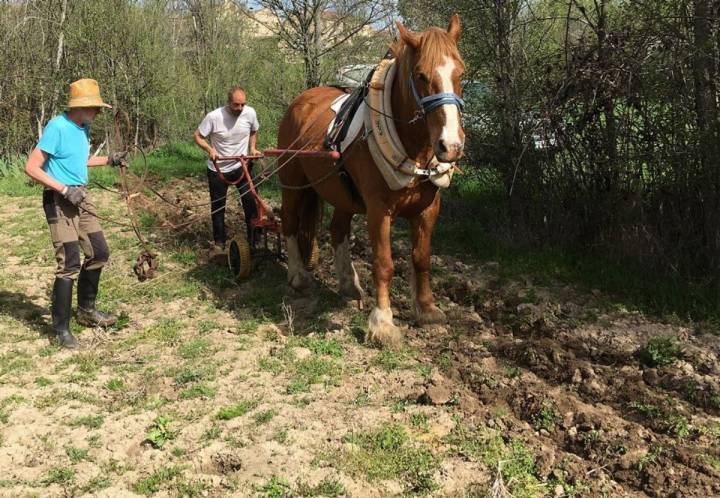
208 389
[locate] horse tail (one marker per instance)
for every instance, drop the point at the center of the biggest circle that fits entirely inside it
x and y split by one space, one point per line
310 219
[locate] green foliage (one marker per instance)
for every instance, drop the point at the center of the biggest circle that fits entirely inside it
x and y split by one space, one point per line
160 432
328 487
237 410
155 481
89 421
276 487
661 351
388 453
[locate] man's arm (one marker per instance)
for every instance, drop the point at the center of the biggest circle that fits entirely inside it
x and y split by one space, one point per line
204 145
33 168
253 144
98 161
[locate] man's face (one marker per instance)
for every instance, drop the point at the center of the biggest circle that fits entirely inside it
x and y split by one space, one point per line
236 103
88 114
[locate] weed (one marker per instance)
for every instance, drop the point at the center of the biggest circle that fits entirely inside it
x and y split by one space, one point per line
76 454
390 360
159 432
114 384
154 482
328 487
276 487
387 453
511 458
213 432
43 382
327 347
59 475
419 420
312 370
546 417
270 364
264 416
198 391
650 457
237 410
89 421
661 351
196 348
96 484
712 460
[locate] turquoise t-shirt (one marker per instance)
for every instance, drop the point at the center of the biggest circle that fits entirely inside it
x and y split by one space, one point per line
68 148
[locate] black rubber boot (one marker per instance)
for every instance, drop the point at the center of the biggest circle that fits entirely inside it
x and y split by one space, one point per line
87 315
61 310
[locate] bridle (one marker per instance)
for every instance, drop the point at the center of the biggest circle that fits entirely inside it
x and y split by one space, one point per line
428 104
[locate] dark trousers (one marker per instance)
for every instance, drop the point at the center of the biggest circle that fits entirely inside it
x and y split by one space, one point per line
218 196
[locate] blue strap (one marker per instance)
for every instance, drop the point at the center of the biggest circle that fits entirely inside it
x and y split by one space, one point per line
432 102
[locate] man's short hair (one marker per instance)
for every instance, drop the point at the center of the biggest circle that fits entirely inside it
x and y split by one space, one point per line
235 89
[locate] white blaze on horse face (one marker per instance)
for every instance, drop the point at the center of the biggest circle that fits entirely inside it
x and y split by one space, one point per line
451 131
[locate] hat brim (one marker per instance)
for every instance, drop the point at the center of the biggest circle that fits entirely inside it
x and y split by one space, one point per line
88 102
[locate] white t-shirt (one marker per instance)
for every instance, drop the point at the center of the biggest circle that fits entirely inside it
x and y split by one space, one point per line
229 135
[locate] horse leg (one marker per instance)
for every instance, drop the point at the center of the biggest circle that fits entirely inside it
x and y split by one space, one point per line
381 328
298 277
344 269
426 312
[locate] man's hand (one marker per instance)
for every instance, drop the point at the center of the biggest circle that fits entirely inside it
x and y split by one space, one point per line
74 194
255 152
212 153
118 159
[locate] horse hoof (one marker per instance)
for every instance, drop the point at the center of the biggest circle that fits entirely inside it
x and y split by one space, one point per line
382 331
351 291
300 282
431 316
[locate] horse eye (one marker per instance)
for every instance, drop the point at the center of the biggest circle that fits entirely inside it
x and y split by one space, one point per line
423 78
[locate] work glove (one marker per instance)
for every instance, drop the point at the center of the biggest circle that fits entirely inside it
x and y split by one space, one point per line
74 194
118 159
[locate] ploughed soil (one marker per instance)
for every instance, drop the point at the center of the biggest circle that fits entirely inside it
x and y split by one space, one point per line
608 401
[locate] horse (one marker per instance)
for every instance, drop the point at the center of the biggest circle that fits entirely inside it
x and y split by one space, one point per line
429 67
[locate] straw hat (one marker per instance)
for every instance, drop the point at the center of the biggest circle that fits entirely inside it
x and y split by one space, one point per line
86 93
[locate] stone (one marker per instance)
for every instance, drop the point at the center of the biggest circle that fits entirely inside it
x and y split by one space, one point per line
436 395
651 377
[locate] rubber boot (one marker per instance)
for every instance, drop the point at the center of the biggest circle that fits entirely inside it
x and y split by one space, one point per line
87 314
61 310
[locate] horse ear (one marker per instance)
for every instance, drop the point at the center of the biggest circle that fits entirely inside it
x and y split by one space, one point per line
454 27
412 39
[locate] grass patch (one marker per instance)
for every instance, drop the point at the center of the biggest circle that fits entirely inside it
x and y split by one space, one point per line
157 480
313 370
511 457
198 391
547 417
76 455
237 410
197 348
264 416
387 453
328 487
327 347
390 360
276 487
114 384
89 421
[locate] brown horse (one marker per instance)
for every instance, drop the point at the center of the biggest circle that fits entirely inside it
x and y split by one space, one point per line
432 60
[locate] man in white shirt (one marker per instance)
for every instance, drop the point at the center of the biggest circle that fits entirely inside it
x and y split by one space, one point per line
230 130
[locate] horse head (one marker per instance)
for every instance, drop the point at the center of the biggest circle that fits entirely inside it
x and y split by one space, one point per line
431 66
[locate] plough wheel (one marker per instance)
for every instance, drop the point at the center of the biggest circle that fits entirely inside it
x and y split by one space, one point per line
311 260
239 259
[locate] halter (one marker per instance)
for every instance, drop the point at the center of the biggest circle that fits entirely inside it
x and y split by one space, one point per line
428 104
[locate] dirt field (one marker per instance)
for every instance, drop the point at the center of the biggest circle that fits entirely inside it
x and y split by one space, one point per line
533 388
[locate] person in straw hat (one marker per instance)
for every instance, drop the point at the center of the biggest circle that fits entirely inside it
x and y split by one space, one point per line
60 163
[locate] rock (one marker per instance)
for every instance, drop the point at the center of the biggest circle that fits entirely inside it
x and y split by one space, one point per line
435 395
651 377
572 431
559 490
227 462
576 377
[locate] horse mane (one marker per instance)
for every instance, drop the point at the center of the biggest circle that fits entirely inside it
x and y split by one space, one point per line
435 45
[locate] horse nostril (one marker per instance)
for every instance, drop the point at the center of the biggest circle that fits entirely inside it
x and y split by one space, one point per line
442 146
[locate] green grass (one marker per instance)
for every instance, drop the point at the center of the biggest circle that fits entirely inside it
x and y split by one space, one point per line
511 457
196 348
265 416
63 476
327 347
388 453
76 455
237 410
390 360
89 421
200 390
275 487
157 480
13 180
313 370
328 487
